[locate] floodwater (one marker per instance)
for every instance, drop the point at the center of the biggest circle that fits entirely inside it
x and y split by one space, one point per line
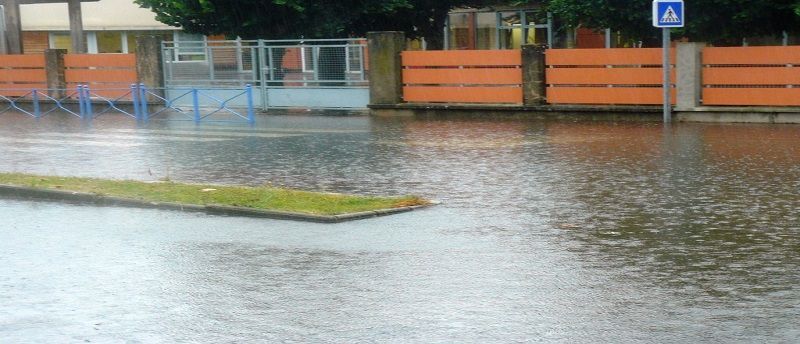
550 231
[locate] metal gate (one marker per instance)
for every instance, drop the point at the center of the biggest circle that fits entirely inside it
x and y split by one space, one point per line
324 74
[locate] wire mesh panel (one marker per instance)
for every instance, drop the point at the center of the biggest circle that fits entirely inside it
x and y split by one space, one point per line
317 63
281 63
210 63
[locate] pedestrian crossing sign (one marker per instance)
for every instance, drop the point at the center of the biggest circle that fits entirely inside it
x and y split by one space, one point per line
668 13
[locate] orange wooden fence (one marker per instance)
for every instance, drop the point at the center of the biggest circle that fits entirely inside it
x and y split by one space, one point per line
474 76
767 76
19 74
605 76
108 75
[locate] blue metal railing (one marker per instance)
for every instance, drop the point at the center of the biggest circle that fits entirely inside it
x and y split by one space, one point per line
197 113
137 103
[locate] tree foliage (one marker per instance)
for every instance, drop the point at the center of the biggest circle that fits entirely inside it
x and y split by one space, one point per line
713 21
276 19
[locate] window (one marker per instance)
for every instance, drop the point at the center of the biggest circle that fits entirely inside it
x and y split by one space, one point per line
508 29
63 40
461 31
486 27
110 42
516 28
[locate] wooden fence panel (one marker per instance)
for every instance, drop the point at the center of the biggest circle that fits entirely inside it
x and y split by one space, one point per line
603 57
22 61
114 76
474 76
606 95
606 76
482 76
431 94
752 96
107 75
19 90
457 58
20 74
100 60
751 76
772 55
623 76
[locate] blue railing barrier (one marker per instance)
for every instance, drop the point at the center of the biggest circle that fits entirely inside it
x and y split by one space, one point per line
137 102
40 103
195 110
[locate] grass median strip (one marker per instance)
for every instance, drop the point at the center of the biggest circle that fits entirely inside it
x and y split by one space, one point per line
257 198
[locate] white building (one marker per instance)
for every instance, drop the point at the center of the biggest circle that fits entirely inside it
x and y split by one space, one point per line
110 26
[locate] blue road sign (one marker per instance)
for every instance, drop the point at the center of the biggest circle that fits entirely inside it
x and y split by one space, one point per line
668 13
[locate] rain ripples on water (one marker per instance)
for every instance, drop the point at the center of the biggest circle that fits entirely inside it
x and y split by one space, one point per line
553 231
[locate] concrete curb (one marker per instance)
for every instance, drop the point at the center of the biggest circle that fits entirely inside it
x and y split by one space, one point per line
24 192
636 109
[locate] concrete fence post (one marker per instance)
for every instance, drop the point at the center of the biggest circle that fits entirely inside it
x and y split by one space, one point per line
534 85
55 73
689 75
385 68
149 67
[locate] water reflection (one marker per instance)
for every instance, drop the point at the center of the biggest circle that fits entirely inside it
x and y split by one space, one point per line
620 232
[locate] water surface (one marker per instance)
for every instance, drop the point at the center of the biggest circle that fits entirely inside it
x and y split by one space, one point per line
549 231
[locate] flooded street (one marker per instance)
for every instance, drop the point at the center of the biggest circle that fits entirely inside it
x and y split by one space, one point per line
550 231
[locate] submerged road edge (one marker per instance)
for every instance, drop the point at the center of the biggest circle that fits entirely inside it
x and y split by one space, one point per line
23 192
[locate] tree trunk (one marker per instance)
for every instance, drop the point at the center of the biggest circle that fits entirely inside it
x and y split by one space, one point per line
435 42
434 32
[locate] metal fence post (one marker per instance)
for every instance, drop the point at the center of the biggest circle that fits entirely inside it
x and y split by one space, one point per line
36 112
210 60
135 100
196 103
667 88
143 102
315 63
88 99
81 103
269 65
239 58
361 50
251 115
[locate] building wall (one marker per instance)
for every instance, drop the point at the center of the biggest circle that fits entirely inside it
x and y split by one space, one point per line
34 42
588 38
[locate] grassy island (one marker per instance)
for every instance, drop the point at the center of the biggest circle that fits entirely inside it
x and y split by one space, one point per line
259 198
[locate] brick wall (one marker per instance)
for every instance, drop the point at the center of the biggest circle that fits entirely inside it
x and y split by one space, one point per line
35 42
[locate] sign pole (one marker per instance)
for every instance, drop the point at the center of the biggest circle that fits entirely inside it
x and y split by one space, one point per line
666 15
667 77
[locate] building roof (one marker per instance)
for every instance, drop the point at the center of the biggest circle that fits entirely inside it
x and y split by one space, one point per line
99 15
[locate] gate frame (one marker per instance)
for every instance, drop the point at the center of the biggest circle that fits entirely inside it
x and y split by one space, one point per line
263 70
